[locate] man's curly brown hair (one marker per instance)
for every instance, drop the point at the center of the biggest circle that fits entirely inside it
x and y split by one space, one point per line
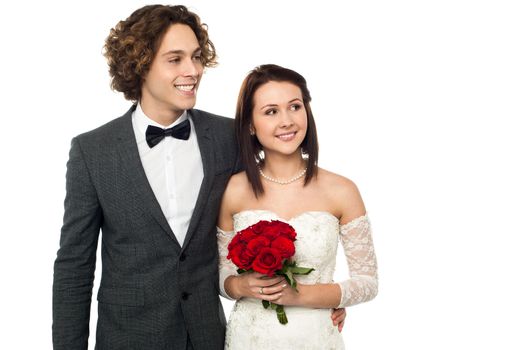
131 46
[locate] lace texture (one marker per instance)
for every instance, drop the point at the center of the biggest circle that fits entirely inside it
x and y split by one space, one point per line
252 327
226 267
358 246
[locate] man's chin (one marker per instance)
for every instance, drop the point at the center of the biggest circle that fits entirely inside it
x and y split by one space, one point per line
185 105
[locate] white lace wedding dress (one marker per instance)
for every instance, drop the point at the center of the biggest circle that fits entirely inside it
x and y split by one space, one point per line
252 327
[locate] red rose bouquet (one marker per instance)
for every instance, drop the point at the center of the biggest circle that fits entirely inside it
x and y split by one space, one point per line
267 247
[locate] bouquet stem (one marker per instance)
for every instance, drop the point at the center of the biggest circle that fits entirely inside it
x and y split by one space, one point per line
280 311
282 316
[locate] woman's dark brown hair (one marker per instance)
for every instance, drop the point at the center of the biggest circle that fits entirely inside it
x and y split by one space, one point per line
249 146
131 46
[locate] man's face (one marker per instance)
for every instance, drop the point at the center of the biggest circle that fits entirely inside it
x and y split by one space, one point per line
171 84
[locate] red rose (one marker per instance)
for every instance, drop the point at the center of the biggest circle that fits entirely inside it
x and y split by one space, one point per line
255 245
259 227
268 261
285 246
265 247
287 231
240 257
246 235
234 242
278 228
272 231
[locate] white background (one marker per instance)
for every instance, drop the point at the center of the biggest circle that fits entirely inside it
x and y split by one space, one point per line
421 103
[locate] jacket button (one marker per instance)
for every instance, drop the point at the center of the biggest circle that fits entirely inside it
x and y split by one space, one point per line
182 257
185 295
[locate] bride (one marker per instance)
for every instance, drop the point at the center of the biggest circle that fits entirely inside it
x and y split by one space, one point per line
281 181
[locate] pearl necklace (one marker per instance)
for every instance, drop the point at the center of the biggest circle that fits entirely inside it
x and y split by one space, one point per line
286 182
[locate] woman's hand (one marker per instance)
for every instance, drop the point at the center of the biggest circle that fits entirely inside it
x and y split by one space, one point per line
275 290
256 285
285 295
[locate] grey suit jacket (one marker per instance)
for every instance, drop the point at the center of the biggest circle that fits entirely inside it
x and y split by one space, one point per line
154 293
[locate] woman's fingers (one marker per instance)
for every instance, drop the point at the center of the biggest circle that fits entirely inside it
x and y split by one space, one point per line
271 281
277 288
264 287
270 297
255 281
269 293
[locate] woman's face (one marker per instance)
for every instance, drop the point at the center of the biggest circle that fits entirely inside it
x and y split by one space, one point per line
279 118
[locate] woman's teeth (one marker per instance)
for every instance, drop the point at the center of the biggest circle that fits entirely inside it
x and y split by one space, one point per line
286 137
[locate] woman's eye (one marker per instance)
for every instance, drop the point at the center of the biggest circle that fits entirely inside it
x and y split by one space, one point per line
270 112
295 107
175 60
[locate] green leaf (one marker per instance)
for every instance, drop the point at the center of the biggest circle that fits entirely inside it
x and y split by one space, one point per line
273 306
293 285
288 264
289 276
240 271
297 270
265 303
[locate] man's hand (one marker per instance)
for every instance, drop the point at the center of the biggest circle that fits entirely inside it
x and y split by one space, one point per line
338 318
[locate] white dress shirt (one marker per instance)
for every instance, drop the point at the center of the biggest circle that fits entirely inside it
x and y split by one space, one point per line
174 170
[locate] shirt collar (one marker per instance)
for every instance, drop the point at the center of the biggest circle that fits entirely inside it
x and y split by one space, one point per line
141 120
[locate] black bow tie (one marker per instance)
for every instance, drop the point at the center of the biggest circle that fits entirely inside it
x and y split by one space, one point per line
154 135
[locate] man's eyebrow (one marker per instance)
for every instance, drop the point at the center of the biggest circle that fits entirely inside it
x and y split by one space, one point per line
173 52
179 52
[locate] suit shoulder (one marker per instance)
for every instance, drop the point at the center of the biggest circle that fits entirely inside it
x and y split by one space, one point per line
103 129
214 118
222 128
108 131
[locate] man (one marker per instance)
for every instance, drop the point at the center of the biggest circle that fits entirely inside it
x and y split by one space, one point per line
152 181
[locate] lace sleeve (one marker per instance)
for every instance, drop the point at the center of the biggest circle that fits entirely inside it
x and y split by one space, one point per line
226 267
357 243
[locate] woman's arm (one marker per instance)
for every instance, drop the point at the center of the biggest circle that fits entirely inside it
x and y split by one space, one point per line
231 284
356 239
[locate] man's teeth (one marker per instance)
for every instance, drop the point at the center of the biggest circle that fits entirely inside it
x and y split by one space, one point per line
185 87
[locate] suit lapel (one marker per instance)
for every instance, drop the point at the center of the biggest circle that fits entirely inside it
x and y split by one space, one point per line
133 169
204 139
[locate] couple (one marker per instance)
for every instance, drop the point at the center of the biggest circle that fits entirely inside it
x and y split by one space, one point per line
158 183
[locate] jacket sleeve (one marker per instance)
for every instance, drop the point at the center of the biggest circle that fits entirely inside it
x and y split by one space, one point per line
75 263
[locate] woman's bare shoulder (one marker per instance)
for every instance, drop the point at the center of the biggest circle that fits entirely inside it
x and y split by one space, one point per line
237 190
344 192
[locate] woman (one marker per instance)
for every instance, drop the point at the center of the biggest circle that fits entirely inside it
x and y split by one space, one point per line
281 181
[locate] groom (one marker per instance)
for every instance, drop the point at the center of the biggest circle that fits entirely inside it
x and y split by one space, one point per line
152 181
